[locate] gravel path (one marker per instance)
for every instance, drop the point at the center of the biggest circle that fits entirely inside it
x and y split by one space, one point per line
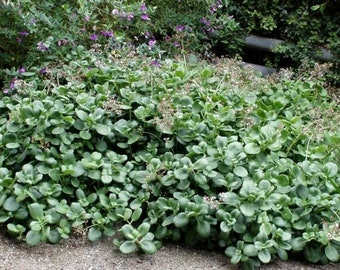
77 254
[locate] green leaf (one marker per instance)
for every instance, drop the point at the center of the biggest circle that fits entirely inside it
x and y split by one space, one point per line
58 130
240 171
221 141
331 253
302 191
33 238
181 220
36 211
252 148
53 236
315 7
85 134
264 256
298 244
248 209
144 228
94 234
81 115
331 169
148 247
183 184
136 214
28 74
203 228
128 247
230 198
282 254
181 173
103 129
12 145
13 127
250 250
106 179
235 147
11 204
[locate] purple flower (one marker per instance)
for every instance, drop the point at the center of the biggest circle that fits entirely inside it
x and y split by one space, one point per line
176 44
143 8
43 71
145 17
106 33
152 42
93 37
6 91
41 47
130 16
12 84
155 63
21 70
205 21
62 42
87 18
23 33
180 28
147 35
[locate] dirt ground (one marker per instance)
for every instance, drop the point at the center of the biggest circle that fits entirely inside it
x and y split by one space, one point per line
77 254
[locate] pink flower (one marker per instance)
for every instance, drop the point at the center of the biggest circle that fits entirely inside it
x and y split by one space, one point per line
41 47
143 8
21 70
180 28
145 17
155 63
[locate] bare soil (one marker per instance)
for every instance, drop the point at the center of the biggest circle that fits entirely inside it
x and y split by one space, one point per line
78 254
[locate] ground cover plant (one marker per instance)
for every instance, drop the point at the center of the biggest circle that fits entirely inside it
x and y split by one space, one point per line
101 137
171 151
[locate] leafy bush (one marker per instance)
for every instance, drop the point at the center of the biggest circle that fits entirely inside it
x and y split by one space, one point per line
168 150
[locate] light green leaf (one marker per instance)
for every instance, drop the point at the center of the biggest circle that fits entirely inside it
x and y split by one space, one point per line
203 228
331 253
128 247
81 114
298 244
264 256
181 173
33 238
248 209
36 210
331 169
148 247
103 129
250 250
240 171
94 234
252 148
180 220
144 228
106 179
11 204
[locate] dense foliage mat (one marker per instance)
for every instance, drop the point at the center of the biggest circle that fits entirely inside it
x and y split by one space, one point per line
171 150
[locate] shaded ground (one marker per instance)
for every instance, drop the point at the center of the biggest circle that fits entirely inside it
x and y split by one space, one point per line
77 254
